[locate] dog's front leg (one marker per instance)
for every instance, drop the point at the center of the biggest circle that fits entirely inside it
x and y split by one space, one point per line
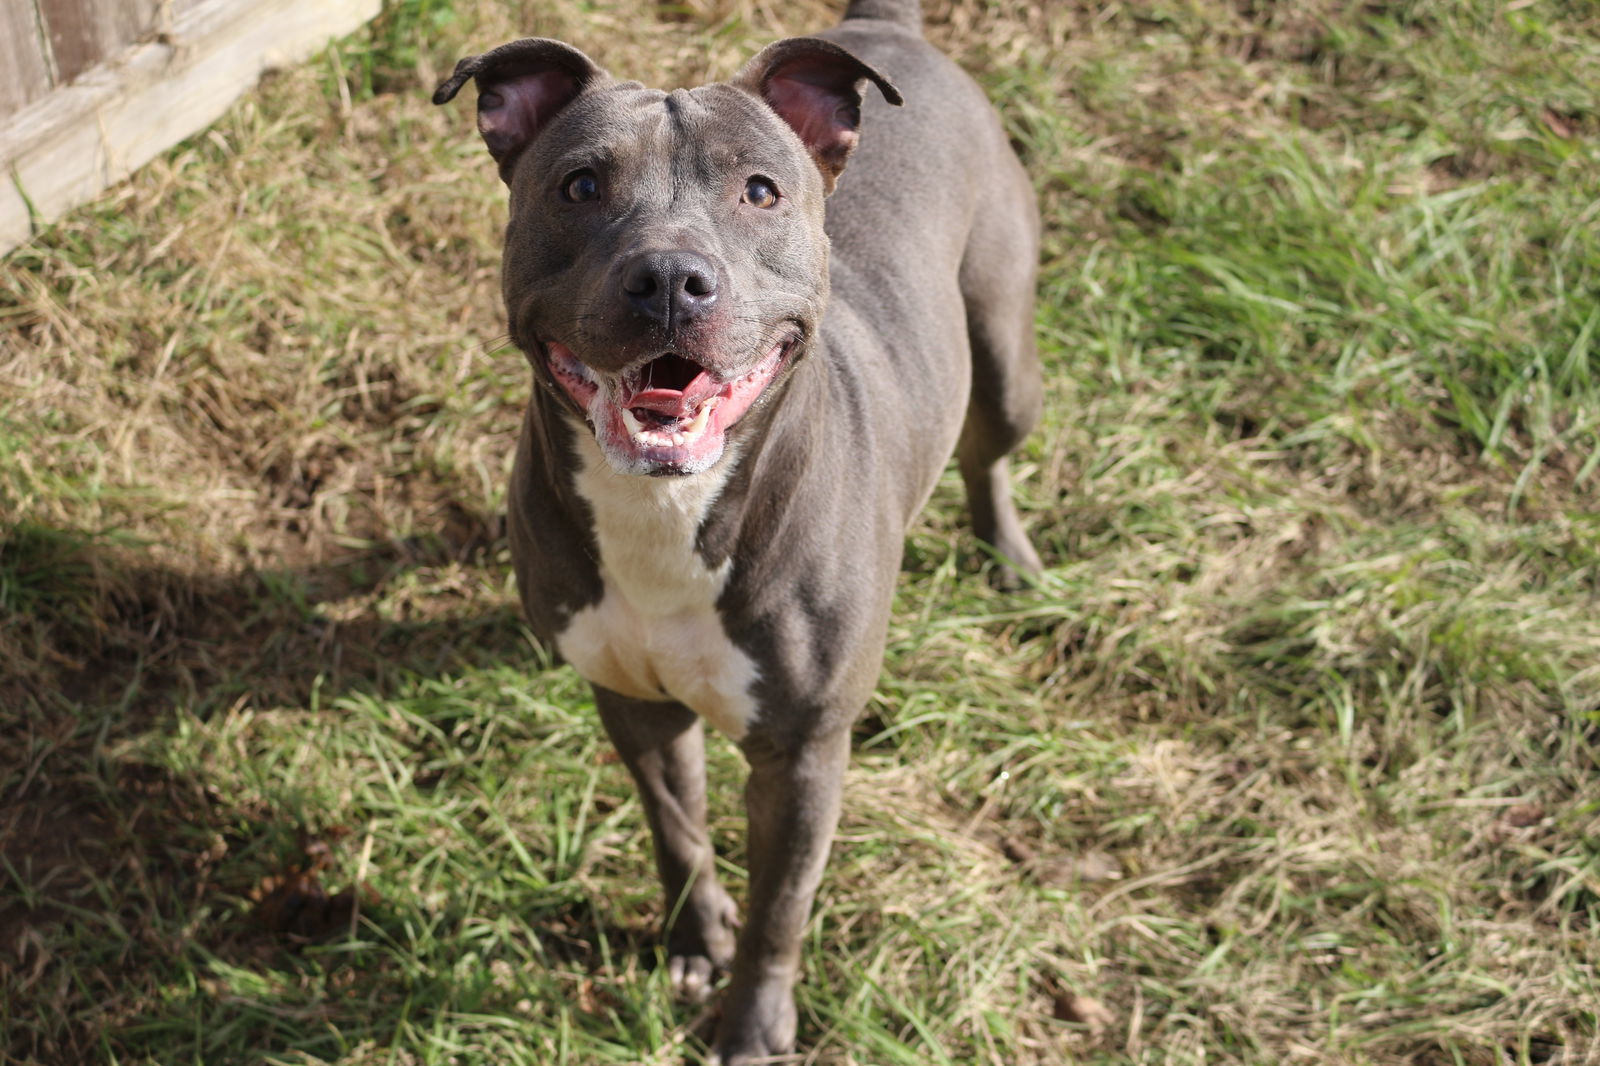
792 802
663 746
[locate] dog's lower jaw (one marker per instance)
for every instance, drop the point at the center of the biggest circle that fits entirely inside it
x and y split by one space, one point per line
678 428
630 448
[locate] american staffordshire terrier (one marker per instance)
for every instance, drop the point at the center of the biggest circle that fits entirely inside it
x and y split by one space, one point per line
749 369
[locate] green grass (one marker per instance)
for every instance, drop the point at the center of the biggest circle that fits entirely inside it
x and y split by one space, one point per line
1290 758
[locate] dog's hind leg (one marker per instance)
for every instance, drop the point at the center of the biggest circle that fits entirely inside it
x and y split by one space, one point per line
663 746
997 286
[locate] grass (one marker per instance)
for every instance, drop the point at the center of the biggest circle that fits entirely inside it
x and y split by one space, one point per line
1291 758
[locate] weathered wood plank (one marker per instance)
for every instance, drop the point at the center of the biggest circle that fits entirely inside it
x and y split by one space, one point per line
85 32
129 20
72 30
24 71
65 148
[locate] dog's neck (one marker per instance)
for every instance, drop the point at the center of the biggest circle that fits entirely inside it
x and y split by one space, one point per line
647 528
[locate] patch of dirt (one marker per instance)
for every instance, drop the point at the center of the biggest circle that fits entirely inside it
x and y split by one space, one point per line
1090 866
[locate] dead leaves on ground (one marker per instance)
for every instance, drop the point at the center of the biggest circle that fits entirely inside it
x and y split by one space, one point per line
294 903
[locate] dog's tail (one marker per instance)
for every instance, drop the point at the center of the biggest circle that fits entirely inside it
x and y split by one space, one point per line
907 13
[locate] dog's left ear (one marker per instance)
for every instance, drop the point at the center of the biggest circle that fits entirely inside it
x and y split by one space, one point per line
815 86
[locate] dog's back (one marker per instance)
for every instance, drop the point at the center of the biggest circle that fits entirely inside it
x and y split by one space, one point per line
935 234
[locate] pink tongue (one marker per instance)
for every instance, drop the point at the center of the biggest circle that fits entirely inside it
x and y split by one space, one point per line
675 403
668 403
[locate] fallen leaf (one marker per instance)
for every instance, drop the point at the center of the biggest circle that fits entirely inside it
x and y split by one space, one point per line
1083 1010
1523 815
1557 123
1016 850
294 902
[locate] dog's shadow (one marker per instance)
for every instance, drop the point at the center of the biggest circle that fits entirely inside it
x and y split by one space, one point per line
126 875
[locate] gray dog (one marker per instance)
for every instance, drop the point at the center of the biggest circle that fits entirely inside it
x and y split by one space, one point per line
746 385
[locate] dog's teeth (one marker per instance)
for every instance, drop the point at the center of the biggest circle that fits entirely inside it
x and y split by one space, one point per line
701 418
677 434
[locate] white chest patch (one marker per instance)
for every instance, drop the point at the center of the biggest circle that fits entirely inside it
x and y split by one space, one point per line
656 634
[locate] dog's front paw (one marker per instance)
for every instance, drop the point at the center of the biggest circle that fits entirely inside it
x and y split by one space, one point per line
755 1027
701 944
692 977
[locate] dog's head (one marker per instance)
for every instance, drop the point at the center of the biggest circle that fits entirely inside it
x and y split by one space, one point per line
665 261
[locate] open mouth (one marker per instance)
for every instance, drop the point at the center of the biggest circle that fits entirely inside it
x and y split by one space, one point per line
667 416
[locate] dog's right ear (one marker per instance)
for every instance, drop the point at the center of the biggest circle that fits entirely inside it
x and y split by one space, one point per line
521 86
815 86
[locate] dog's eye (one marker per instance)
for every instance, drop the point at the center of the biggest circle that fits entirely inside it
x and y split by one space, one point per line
759 192
581 187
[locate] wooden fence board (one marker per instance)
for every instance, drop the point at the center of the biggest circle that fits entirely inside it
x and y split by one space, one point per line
73 32
86 32
24 74
68 146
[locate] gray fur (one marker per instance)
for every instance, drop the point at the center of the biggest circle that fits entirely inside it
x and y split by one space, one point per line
912 340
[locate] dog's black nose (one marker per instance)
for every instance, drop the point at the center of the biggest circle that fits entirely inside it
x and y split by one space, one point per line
670 287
